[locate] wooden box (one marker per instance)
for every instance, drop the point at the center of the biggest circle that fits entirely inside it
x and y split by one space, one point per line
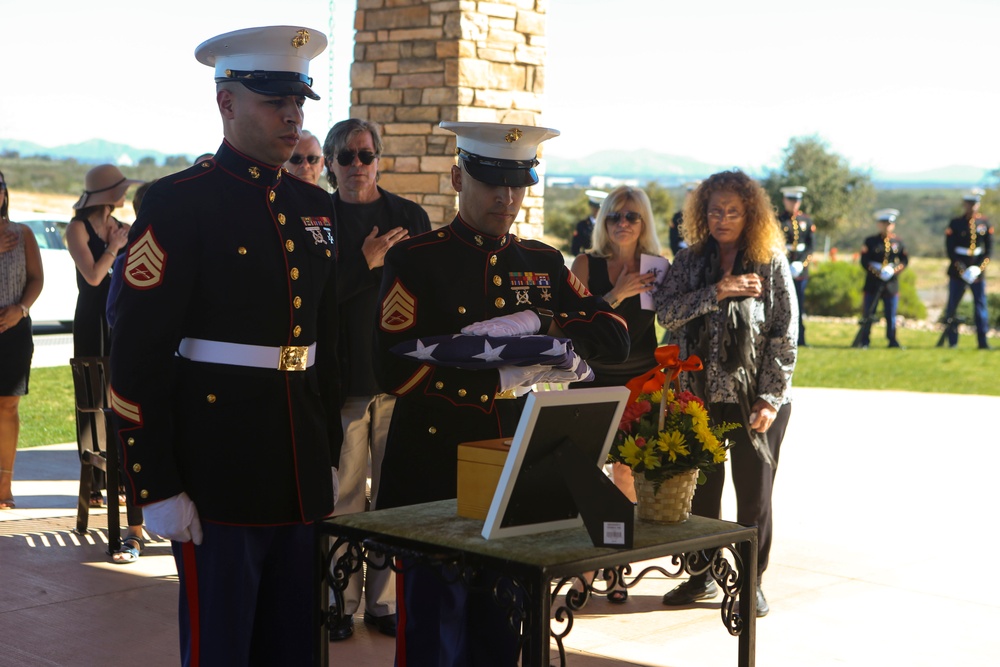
479 466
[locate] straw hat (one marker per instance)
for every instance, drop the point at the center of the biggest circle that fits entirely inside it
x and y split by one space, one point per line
104 184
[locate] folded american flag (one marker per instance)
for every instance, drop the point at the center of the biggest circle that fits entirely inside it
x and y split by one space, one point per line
481 352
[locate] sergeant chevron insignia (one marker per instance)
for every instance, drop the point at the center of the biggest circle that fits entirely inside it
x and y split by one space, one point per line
145 262
399 309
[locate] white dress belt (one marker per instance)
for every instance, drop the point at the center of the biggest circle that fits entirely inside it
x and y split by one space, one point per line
962 250
254 356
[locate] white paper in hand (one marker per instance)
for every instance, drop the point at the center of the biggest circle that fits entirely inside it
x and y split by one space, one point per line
658 266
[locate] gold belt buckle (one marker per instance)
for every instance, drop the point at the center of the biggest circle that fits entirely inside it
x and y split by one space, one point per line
293 358
504 395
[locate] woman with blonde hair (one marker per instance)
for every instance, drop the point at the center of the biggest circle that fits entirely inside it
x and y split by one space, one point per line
624 230
730 300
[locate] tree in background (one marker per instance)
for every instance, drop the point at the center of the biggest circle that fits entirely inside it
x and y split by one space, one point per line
839 199
663 209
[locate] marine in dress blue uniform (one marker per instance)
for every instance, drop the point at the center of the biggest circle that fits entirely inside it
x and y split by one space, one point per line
799 230
224 366
969 244
438 283
583 234
884 257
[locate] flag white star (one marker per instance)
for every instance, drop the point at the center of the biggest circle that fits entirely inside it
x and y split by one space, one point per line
423 352
489 352
558 349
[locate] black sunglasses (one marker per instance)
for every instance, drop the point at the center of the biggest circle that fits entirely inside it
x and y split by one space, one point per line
346 158
631 217
311 159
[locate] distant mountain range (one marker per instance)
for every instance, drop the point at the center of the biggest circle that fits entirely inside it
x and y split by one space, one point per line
640 165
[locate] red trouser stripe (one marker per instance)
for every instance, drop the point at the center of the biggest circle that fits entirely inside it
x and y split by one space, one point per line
191 594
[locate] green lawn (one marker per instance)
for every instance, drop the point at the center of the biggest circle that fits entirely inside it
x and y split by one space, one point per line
829 361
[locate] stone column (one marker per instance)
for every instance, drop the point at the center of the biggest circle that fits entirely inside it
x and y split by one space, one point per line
418 62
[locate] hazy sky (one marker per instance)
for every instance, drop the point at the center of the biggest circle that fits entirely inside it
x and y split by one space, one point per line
898 85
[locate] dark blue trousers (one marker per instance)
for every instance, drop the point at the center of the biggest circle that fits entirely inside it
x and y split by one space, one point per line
247 596
956 290
890 305
800 296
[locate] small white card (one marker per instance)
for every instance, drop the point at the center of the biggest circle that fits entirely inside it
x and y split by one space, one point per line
658 266
614 532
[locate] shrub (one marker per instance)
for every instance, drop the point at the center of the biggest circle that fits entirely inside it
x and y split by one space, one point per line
835 290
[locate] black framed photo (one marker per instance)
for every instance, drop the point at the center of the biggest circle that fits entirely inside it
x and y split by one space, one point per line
532 495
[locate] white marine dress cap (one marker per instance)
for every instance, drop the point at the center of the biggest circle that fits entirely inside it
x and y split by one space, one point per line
499 153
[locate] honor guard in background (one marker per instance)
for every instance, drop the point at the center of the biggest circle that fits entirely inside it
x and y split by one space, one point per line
883 257
969 242
583 234
799 230
306 161
370 220
223 371
677 242
472 276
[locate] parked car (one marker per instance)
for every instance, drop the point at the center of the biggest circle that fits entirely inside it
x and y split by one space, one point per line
57 302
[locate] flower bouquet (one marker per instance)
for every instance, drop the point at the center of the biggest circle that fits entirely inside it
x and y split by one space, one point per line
666 433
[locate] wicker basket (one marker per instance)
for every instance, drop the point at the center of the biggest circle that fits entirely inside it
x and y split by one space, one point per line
671 503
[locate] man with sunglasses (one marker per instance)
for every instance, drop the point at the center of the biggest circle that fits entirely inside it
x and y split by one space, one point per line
370 220
473 277
223 368
306 161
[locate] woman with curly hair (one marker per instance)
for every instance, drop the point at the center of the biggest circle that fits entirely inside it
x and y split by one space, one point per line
730 300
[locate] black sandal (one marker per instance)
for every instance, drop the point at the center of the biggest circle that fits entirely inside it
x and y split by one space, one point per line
618 596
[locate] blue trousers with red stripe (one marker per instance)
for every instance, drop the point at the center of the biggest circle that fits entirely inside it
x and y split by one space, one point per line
247 596
441 624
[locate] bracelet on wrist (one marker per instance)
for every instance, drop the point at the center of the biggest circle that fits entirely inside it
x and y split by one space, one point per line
612 302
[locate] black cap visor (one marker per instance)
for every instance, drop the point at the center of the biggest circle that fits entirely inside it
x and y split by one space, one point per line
274 83
505 173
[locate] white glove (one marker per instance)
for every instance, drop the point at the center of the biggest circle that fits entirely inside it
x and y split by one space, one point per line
175 517
887 272
796 269
971 274
522 323
512 377
336 485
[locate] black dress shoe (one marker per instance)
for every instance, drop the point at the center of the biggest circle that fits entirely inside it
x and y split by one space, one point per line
762 607
692 590
384 624
895 344
343 629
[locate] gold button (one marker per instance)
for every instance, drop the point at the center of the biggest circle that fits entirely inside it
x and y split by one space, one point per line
270 196
136 468
130 441
461 310
254 172
432 430
493 260
500 303
478 239
497 280
297 302
583 312
484 398
241 250
440 235
144 494
328 253
281 218
461 393
294 273
290 245
503 239
210 398
206 164
562 314
439 385
297 331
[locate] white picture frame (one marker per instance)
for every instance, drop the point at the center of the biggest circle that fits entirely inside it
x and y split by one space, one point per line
531 497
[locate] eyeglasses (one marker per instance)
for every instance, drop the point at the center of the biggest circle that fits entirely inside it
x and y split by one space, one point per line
631 218
346 158
311 159
730 216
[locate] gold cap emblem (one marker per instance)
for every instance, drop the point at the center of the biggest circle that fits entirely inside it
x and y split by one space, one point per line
301 38
513 135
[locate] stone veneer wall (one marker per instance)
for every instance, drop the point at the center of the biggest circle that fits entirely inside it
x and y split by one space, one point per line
418 62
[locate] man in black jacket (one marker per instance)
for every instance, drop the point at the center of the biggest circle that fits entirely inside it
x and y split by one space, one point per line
223 370
370 220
